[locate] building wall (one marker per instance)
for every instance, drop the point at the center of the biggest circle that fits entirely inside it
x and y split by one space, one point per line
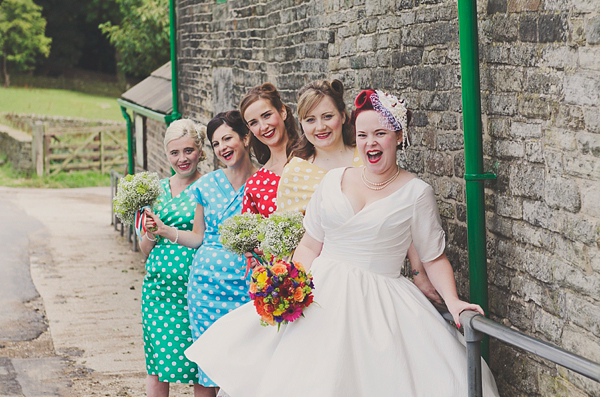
540 81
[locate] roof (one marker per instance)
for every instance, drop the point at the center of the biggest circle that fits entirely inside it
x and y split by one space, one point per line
154 92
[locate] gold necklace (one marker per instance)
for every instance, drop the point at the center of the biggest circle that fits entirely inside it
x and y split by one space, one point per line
378 185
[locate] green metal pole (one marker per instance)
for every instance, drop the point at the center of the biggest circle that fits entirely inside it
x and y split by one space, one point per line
471 100
130 163
175 115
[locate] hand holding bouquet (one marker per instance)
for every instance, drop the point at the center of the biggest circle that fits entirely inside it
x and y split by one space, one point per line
281 289
135 193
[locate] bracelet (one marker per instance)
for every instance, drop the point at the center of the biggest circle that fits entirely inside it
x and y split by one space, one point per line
176 236
148 237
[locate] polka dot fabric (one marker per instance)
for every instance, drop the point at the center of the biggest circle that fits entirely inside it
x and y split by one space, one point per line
165 318
260 194
299 180
216 284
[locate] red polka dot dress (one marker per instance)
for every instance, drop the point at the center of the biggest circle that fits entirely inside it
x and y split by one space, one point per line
260 195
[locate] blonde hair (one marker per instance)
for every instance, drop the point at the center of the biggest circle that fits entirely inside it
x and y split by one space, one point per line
186 128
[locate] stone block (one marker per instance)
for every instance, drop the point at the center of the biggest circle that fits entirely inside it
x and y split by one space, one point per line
581 229
561 58
594 255
524 55
584 312
549 298
498 299
461 213
524 233
548 325
560 139
592 30
552 28
507 79
501 128
537 213
438 163
585 6
450 141
519 314
583 166
503 28
570 117
536 107
509 206
582 89
528 28
508 149
499 225
589 143
448 188
553 159
590 199
457 235
547 83
589 56
556 386
503 105
572 252
534 152
446 209
527 180
573 278
412 56
440 33
496 6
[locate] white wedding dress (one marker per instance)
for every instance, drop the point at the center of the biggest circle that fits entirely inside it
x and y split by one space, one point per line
371 332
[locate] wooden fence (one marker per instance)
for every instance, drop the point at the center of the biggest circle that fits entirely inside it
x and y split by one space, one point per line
101 149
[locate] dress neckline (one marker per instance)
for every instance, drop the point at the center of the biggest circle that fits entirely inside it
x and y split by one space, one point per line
372 202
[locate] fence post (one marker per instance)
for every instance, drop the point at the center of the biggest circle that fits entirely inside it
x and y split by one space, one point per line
473 339
101 152
37 148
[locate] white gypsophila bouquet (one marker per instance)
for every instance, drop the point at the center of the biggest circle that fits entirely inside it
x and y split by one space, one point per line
280 234
240 232
135 192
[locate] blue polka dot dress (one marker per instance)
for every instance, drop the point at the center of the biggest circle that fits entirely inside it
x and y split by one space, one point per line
216 285
165 318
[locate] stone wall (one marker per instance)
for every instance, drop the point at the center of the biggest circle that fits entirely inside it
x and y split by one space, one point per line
540 80
15 146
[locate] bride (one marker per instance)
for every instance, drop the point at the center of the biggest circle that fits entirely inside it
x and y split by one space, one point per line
372 332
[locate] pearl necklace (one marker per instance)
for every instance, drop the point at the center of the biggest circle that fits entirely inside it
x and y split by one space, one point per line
378 185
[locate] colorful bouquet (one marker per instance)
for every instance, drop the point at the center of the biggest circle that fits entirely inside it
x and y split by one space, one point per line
135 193
281 290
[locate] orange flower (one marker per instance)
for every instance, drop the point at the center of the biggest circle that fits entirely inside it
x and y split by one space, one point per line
298 294
279 269
268 318
252 288
299 266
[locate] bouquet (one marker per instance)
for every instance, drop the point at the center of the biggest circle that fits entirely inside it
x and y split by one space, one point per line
281 290
135 193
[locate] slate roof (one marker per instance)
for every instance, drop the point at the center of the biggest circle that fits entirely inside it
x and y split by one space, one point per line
154 92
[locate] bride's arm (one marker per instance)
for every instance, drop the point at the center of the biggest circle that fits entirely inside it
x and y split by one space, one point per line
442 277
307 251
420 277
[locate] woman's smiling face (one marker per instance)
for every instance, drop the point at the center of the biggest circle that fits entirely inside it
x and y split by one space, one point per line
184 155
266 122
228 146
322 125
376 144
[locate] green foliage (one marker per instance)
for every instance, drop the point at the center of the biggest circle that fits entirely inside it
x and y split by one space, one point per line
142 37
21 34
13 178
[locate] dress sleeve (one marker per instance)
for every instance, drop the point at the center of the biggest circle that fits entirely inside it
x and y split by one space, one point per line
312 218
426 227
195 191
248 203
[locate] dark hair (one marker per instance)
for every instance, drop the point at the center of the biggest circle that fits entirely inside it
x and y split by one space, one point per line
232 118
308 97
267 91
363 102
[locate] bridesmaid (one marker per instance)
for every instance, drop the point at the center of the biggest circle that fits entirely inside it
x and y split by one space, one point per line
165 323
216 282
274 133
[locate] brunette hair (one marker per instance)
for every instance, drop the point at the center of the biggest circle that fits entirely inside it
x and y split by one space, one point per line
267 91
309 96
232 118
363 102
186 127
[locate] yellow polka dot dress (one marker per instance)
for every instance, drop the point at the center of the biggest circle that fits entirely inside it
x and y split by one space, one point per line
217 284
299 180
165 318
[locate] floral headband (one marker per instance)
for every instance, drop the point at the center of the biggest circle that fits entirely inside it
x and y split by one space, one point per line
392 111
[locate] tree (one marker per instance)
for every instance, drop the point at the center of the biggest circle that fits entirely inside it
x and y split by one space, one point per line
142 38
21 35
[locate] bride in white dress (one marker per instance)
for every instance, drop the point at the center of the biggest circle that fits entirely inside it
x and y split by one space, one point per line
371 331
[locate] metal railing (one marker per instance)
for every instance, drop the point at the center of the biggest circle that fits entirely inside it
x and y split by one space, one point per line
114 220
475 326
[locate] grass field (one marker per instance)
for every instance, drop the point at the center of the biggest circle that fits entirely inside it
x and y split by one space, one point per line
54 102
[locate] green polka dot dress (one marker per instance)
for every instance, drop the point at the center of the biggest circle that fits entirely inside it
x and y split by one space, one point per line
165 317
